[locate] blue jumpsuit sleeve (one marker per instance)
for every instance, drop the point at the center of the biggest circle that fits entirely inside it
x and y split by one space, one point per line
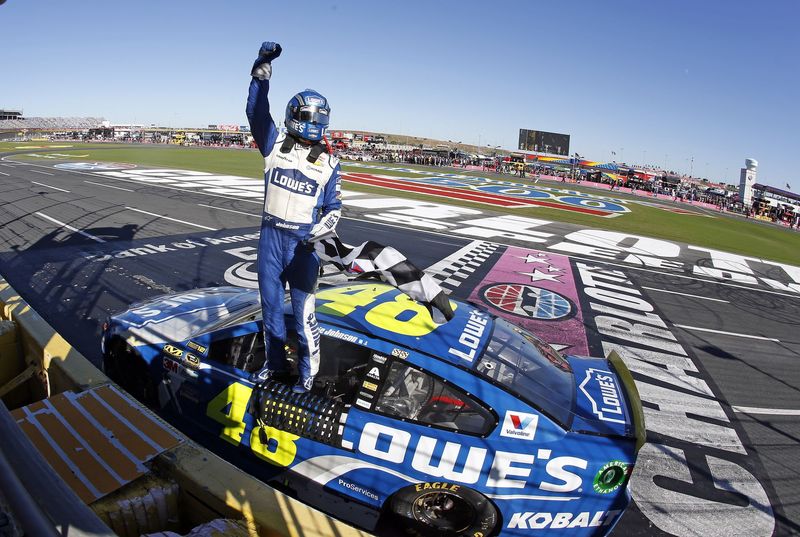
262 127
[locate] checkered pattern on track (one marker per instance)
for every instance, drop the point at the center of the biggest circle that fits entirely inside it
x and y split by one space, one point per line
453 270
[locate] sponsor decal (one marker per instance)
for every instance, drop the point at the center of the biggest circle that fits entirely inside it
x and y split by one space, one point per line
471 336
197 347
192 360
546 308
452 461
399 353
419 487
363 404
371 386
519 425
611 477
173 351
170 365
177 246
601 382
379 359
298 185
374 373
539 521
528 301
355 488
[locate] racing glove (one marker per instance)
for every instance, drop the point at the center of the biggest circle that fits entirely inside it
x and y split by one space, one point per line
325 227
262 67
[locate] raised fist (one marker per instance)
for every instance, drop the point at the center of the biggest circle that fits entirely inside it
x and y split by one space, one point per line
269 50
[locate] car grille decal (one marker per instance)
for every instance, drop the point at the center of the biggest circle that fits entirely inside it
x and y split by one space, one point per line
304 414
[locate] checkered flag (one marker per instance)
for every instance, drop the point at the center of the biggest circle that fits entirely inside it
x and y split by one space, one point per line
390 266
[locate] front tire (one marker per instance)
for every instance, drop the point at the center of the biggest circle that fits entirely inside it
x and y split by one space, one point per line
433 509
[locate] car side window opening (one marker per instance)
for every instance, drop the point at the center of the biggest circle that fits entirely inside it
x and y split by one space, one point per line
244 352
342 365
416 395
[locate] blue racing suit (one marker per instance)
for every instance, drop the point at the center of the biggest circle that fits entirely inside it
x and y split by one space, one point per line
302 201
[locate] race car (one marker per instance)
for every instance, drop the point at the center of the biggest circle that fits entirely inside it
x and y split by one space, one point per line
469 427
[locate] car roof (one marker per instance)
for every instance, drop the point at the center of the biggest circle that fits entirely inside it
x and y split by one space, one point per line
385 312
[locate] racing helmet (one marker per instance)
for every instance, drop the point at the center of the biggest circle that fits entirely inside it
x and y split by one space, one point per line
307 115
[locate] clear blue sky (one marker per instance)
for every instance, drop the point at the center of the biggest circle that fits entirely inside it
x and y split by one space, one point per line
700 84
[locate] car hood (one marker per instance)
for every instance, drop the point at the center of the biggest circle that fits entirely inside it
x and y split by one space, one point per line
177 317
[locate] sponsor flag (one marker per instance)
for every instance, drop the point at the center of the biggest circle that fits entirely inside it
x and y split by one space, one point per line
390 266
788 186
614 153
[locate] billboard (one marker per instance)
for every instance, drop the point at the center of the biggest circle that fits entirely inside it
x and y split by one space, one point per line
544 142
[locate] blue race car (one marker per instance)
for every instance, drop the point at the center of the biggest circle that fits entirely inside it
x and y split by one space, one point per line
472 427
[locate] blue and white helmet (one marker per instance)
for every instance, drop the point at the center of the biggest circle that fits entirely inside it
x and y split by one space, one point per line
307 115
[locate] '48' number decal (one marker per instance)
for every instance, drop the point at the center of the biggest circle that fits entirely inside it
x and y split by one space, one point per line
402 315
229 407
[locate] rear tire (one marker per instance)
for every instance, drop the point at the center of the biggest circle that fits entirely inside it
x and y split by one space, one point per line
433 509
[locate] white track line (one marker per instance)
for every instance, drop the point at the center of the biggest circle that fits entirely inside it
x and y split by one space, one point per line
748 336
43 173
362 220
772 411
49 186
109 186
173 219
229 210
67 226
685 294
1 173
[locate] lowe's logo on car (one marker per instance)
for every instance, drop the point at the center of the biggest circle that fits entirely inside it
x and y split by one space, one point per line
539 521
519 425
470 337
300 185
453 461
610 407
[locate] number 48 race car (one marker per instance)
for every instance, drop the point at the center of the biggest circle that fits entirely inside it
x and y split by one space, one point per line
472 427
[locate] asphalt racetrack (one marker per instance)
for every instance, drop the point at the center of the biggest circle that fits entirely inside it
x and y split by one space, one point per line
712 338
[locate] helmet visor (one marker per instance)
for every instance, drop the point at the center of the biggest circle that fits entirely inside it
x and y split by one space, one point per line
311 114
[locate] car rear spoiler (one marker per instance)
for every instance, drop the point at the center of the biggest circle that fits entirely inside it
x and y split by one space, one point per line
637 414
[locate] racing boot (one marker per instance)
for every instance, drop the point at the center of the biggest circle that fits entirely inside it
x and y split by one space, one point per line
304 385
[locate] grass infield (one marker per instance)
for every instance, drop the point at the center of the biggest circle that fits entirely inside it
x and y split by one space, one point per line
707 228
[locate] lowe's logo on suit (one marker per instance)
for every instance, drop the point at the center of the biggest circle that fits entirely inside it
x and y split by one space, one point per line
299 185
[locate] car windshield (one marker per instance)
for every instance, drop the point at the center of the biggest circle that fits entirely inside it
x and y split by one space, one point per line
531 368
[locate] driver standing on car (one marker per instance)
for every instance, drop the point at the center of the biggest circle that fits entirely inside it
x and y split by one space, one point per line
302 203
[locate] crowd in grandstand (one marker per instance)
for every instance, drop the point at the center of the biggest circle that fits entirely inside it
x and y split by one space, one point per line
54 123
685 189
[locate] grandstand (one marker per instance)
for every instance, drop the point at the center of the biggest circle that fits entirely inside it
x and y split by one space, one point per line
13 120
